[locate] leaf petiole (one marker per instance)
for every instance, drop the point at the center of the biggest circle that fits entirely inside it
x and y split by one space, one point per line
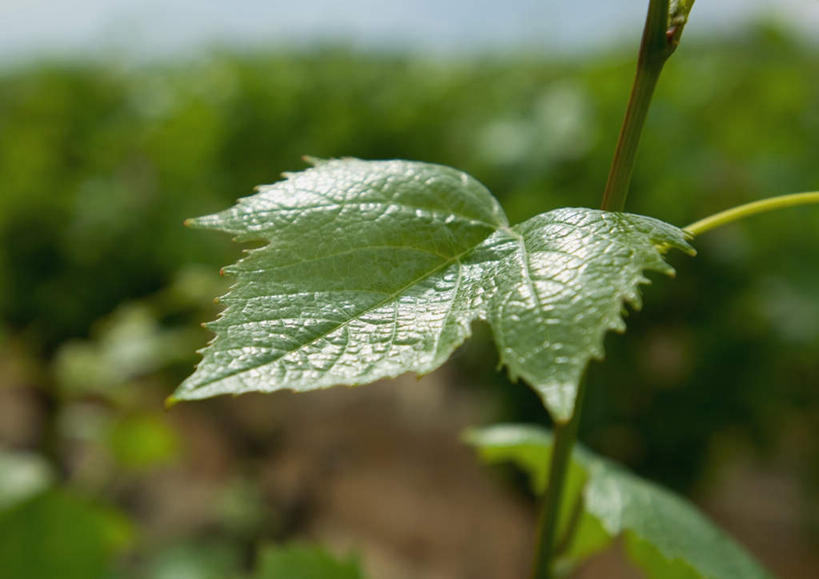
565 435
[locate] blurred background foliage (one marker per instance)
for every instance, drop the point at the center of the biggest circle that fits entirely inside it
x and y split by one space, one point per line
713 391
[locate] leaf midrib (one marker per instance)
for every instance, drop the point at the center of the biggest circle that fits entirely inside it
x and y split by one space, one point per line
434 214
239 272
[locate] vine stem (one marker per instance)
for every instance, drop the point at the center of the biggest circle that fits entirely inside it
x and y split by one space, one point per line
661 35
748 209
564 438
655 48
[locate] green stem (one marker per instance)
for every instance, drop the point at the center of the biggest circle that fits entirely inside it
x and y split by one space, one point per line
661 35
655 48
742 211
565 436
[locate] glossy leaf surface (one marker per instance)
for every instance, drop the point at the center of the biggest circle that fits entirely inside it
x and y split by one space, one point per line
374 269
664 534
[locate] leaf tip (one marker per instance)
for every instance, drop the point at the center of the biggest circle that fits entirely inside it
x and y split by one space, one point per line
313 161
203 222
171 401
683 245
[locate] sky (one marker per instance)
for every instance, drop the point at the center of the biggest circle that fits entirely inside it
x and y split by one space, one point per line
150 29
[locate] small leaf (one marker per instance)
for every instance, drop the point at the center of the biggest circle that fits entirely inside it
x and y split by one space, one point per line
304 562
664 534
374 269
142 442
58 534
197 558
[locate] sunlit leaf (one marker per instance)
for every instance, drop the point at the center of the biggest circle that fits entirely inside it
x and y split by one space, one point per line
374 269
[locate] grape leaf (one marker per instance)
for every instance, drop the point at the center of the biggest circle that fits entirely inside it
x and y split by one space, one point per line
664 534
376 268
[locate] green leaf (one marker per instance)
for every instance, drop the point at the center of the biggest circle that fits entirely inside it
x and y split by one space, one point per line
196 559
142 442
374 269
560 284
57 534
304 562
664 534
